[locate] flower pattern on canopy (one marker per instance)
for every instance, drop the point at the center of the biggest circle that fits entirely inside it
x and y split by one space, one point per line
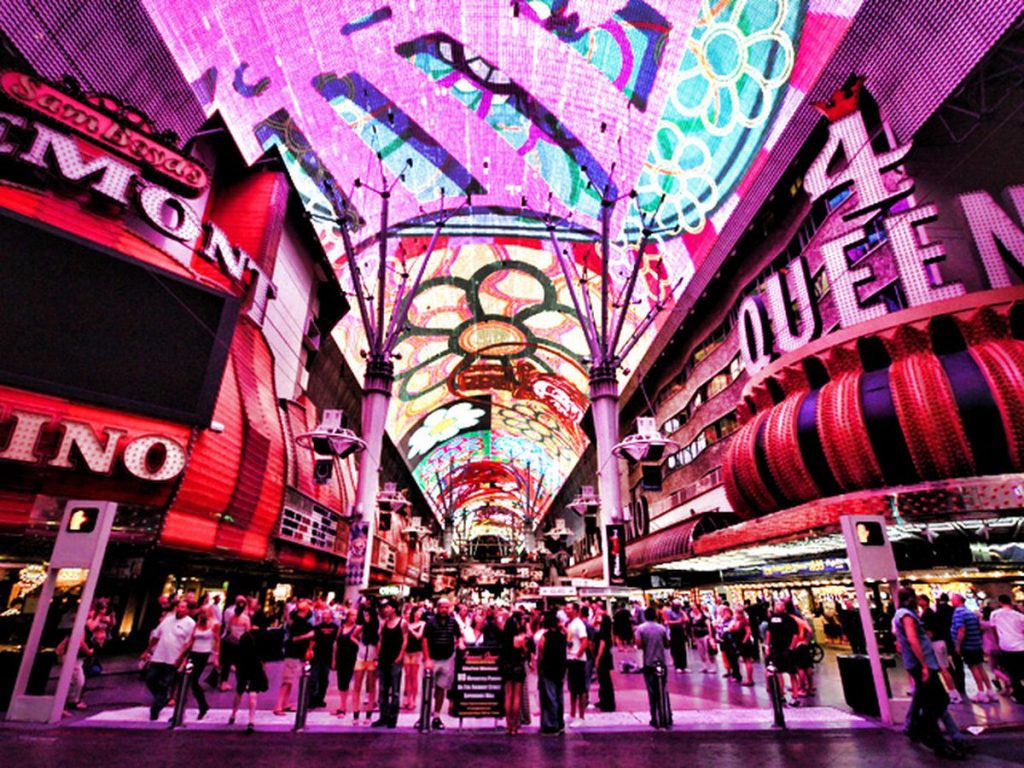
527 111
443 424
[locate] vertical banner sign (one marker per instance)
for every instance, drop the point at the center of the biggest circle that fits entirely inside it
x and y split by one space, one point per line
479 689
616 537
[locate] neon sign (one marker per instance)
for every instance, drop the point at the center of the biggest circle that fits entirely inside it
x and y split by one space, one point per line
171 166
783 316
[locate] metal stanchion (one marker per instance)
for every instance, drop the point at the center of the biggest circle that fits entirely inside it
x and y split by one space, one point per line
181 694
426 700
774 678
302 708
663 709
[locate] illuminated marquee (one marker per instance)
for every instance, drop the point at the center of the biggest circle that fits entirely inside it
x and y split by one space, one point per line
162 210
155 458
783 316
94 124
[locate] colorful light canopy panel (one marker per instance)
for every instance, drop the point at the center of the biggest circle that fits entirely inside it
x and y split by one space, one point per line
529 106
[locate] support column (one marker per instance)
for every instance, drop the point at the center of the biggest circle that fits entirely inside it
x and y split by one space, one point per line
377 386
604 399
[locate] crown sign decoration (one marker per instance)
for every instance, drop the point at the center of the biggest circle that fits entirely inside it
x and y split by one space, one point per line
844 101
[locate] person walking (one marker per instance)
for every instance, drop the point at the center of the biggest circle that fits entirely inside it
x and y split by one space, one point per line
87 650
165 649
552 663
934 627
965 630
652 639
1009 624
394 637
930 699
236 623
203 648
366 662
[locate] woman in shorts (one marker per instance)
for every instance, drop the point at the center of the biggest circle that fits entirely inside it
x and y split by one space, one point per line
742 638
366 661
413 655
250 677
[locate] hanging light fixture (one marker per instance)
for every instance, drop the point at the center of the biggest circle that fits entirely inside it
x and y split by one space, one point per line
329 441
646 445
415 531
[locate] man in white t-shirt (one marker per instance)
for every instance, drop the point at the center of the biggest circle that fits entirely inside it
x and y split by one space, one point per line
218 610
166 645
1009 624
576 645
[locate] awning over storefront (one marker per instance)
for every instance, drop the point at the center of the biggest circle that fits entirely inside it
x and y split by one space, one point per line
672 543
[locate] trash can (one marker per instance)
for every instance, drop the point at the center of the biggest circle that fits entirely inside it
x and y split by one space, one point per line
859 683
39 678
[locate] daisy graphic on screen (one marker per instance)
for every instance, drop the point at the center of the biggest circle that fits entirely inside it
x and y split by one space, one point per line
443 424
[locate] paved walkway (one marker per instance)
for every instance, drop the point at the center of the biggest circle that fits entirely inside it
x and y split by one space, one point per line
699 702
872 748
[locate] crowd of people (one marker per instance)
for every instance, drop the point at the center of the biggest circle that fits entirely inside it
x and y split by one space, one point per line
374 653
99 626
936 644
377 650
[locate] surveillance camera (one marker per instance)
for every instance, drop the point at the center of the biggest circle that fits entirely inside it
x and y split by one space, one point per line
323 470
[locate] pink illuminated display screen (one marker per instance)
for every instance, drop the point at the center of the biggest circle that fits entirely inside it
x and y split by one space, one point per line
529 108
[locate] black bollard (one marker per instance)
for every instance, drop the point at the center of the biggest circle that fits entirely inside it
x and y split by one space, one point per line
302 708
426 701
663 711
181 694
774 678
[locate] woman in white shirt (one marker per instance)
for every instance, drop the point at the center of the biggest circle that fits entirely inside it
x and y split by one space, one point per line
203 648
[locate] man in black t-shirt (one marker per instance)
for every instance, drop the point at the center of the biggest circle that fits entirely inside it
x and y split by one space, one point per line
394 638
324 635
441 638
297 646
781 639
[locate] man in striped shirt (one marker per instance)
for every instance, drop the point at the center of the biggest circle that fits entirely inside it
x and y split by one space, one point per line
966 633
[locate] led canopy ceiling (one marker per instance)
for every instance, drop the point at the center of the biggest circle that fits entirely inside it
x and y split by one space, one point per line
531 108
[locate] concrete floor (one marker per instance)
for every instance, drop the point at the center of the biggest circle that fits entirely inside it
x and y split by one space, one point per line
699 701
31 747
717 723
